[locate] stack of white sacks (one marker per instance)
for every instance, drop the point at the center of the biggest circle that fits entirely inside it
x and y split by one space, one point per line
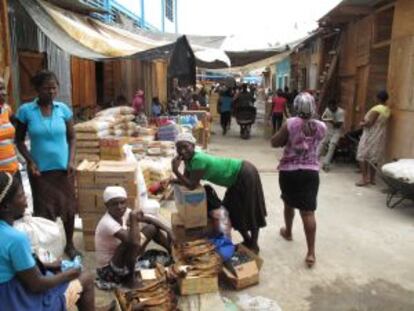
117 121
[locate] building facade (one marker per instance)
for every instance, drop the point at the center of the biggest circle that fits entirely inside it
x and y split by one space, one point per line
154 15
283 74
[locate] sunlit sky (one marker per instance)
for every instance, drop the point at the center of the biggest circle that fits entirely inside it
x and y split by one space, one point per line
252 23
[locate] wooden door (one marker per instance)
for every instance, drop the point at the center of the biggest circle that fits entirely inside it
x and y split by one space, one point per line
29 64
361 94
83 83
347 100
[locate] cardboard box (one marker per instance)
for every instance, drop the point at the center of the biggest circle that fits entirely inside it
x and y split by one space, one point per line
196 285
246 274
111 173
112 148
87 201
89 241
90 221
186 235
191 206
85 172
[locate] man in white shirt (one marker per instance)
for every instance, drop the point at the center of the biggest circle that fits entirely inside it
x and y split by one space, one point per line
119 239
334 117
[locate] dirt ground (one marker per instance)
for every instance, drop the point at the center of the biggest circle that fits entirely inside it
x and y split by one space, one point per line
364 250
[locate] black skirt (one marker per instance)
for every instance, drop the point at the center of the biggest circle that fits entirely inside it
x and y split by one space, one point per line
299 189
53 195
245 200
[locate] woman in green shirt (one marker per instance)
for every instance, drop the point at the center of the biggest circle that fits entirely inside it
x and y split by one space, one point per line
244 197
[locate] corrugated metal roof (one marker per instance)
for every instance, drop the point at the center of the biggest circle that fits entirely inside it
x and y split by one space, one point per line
338 10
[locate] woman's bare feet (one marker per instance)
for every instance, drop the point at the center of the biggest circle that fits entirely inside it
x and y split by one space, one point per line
284 234
310 260
362 183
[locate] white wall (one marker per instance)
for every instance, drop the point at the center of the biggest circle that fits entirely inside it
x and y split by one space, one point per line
152 13
169 26
133 5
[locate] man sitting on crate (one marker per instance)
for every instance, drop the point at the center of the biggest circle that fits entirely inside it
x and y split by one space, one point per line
120 239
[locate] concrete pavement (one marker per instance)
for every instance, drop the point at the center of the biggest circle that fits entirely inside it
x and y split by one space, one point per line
365 251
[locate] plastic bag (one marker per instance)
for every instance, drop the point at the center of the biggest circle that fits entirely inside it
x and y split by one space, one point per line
221 221
142 187
257 303
224 246
217 212
48 239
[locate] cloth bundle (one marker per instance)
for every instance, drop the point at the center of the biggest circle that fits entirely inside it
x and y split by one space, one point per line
196 259
168 132
402 170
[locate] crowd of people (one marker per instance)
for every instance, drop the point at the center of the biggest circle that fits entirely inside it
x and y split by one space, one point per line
122 234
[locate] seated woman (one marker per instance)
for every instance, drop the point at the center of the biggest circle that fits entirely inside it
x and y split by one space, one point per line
244 198
120 240
27 284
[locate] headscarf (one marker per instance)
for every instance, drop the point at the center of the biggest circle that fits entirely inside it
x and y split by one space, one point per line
304 105
6 188
185 137
113 192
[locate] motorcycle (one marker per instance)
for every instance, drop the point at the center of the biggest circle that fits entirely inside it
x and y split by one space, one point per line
245 117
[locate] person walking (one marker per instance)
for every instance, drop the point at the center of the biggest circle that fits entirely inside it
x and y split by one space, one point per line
299 169
50 161
278 111
372 143
334 118
225 104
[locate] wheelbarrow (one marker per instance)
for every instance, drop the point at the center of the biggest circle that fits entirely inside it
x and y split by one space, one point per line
398 190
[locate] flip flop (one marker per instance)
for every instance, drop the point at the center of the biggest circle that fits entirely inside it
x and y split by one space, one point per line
282 233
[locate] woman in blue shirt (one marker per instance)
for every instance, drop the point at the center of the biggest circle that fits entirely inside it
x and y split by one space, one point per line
156 108
225 104
25 284
50 161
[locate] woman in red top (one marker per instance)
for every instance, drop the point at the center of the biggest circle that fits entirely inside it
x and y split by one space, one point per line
278 110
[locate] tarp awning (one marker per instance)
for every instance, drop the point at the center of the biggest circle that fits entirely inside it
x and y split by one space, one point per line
86 37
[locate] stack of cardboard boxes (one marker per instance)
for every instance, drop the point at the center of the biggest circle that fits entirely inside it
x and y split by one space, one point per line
190 223
92 179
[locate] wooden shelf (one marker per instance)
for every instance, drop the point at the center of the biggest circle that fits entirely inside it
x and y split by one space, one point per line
381 44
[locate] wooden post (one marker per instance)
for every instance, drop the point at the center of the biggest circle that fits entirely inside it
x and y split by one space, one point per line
5 51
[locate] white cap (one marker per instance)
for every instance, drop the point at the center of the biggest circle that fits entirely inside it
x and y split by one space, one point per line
113 192
187 137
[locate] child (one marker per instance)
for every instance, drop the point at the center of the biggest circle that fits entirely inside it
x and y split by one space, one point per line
120 240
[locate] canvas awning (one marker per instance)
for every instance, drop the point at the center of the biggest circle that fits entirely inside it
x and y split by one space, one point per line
86 37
